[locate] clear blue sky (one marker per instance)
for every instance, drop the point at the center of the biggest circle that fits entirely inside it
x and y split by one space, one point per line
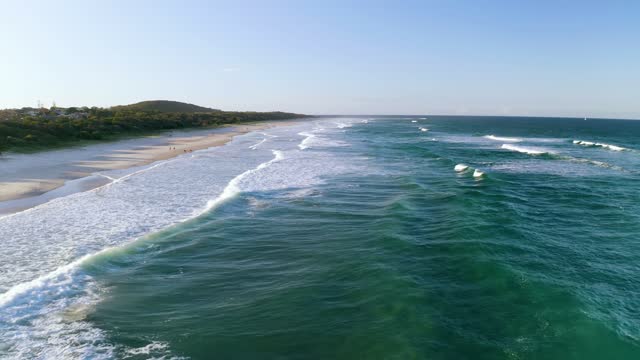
327 57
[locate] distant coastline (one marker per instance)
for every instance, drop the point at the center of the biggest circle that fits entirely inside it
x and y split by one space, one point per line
38 129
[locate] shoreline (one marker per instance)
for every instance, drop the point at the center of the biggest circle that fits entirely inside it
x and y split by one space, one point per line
37 187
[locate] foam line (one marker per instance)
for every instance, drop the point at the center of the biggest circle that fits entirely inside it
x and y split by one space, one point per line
502 138
12 294
304 144
598 144
342 125
525 150
233 187
255 146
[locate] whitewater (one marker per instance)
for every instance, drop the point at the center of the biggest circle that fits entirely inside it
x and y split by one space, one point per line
46 247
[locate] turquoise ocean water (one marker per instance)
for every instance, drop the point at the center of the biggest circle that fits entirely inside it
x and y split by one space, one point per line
343 238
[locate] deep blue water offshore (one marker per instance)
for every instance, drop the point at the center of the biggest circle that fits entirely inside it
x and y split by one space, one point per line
343 238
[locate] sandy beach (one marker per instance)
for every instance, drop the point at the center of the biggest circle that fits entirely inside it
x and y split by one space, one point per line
27 180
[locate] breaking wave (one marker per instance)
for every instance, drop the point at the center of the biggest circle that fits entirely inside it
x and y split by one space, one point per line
597 144
526 150
502 138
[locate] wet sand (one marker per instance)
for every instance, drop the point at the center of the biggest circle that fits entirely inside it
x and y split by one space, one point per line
27 180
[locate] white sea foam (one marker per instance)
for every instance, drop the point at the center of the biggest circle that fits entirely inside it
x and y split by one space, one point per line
51 292
47 247
503 138
414 121
487 139
154 348
61 278
571 167
611 147
525 150
234 187
423 129
598 144
315 138
344 124
305 143
255 146
49 323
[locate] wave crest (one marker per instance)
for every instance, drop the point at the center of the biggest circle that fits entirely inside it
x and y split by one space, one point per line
525 150
598 144
502 138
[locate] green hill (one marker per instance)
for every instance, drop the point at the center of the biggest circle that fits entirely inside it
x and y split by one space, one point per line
164 106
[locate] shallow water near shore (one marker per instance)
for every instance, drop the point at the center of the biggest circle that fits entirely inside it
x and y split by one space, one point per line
343 238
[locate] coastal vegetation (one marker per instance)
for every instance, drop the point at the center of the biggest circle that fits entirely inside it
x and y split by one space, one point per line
31 129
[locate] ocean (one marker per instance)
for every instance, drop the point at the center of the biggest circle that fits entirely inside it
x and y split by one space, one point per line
343 238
